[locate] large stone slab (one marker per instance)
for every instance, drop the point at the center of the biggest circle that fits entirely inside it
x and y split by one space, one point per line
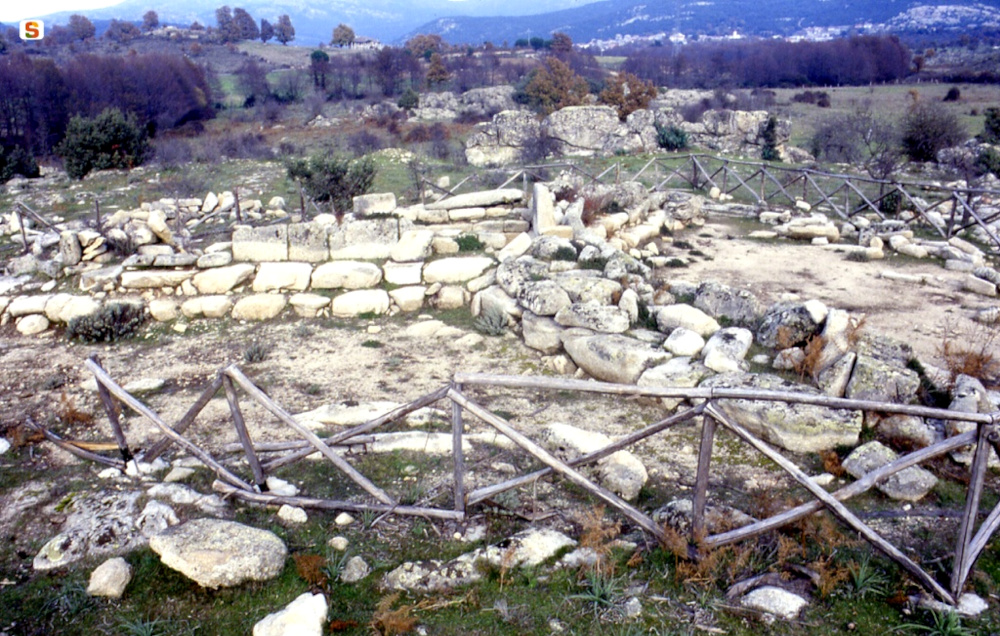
483 199
307 242
874 379
614 358
603 318
259 307
544 298
541 333
802 428
282 276
346 275
216 553
375 203
155 279
260 244
220 280
458 269
362 301
364 239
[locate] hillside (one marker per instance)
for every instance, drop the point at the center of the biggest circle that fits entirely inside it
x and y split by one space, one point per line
604 20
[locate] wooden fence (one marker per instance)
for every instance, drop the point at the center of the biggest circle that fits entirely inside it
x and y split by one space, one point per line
762 183
969 543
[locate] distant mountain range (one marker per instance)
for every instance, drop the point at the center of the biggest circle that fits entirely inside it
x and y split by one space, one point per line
477 21
607 19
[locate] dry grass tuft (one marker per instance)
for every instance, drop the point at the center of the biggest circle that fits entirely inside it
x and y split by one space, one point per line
973 352
597 534
387 621
69 414
310 568
831 463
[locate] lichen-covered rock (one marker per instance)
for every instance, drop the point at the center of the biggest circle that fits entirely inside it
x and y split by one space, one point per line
97 524
736 306
787 325
671 317
110 578
590 315
873 379
216 553
909 484
725 350
543 298
776 601
795 427
541 333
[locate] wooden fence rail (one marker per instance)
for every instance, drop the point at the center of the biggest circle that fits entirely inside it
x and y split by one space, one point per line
707 404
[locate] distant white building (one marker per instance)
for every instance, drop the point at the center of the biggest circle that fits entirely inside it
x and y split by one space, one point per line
364 43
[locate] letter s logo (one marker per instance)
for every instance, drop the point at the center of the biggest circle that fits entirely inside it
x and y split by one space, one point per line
32 30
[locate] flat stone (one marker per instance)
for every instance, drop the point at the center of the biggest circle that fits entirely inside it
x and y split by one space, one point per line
776 601
541 333
518 246
27 305
413 245
409 298
216 553
874 379
346 275
95 278
259 307
979 286
305 616
376 203
403 273
282 276
174 260
216 259
483 199
110 578
308 305
361 301
364 239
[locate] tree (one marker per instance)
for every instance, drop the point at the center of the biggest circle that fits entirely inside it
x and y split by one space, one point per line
409 100
670 137
928 128
561 45
80 28
122 32
333 179
245 25
150 20
553 86
424 45
319 65
110 140
991 127
437 73
537 43
343 35
266 31
252 80
224 24
769 136
627 93
284 32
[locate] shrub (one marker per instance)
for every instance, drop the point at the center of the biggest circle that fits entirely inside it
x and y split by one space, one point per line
363 142
469 243
929 128
769 136
257 352
671 137
627 93
492 321
334 179
409 100
989 161
953 95
110 140
14 160
991 127
114 321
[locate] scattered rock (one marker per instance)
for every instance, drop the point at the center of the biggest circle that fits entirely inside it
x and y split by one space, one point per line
354 570
776 601
110 578
726 349
305 616
909 484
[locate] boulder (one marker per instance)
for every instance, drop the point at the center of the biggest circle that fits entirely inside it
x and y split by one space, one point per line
409 298
684 342
355 570
787 325
69 248
157 222
260 244
729 305
726 349
456 269
834 379
582 289
403 273
776 601
216 553
968 396
909 484
873 379
163 309
677 372
110 578
590 315
501 140
542 209
518 246
222 279
494 296
97 524
448 297
908 431
796 427
308 305
283 276
362 301
207 306
32 325
614 358
671 317
215 259
346 275
259 307
541 333
584 130
513 274
543 298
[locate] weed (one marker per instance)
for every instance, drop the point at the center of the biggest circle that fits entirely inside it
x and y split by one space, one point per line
303 331
858 256
676 262
387 621
647 319
601 591
469 243
492 321
597 535
564 253
809 365
372 344
112 322
72 600
53 382
971 352
69 414
867 579
139 627
334 566
311 389
594 263
944 624
257 352
311 568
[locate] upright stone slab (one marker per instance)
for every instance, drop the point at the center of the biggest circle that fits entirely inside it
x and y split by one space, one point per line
69 247
378 203
260 244
307 242
542 211
365 239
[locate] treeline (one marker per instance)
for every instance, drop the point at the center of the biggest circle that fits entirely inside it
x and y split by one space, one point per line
38 98
771 63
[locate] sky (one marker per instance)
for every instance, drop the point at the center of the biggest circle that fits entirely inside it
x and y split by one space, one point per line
13 11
